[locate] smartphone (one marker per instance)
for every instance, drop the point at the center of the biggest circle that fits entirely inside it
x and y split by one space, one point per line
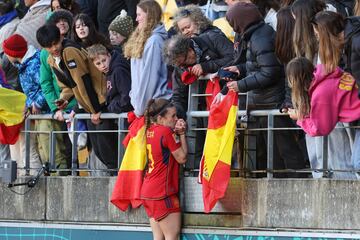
227 74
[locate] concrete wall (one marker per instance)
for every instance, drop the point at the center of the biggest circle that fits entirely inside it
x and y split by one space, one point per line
260 203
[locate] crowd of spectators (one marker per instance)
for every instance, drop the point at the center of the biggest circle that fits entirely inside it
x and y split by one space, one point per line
99 57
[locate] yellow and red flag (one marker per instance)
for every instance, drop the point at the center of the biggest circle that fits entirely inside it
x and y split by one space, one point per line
12 105
130 177
216 160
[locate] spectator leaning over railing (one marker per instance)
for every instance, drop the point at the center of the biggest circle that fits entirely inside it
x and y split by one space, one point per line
117 71
78 77
262 76
63 20
27 59
321 98
149 73
306 45
332 30
190 22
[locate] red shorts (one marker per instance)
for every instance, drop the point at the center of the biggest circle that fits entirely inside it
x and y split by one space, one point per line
158 209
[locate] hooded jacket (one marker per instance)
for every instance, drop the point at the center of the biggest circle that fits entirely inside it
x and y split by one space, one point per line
264 78
352 47
333 98
149 73
29 76
118 84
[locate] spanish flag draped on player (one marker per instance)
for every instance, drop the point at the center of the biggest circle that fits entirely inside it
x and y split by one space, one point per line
215 164
12 106
128 183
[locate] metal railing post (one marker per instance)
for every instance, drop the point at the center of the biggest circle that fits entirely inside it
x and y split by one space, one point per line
27 146
74 157
270 146
325 156
52 150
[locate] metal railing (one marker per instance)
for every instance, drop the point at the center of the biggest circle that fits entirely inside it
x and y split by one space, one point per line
192 114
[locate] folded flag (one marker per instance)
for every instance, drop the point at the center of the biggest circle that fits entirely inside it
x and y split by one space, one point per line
12 104
129 180
215 164
213 88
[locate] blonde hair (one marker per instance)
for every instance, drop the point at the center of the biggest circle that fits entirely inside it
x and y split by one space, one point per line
196 16
330 26
300 75
95 50
134 47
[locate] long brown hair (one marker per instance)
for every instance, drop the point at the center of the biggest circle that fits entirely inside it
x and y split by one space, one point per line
284 48
300 75
287 3
134 47
156 107
357 8
305 43
330 27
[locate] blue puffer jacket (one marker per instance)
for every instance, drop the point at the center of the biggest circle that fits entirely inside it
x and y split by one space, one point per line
29 76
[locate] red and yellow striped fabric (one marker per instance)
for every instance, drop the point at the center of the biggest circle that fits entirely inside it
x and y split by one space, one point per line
12 105
130 177
216 161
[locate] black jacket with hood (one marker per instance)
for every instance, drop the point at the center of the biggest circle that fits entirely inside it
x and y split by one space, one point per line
352 48
118 82
264 75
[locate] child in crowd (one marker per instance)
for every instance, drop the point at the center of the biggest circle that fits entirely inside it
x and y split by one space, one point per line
117 71
321 100
120 29
78 77
149 72
166 149
84 32
27 60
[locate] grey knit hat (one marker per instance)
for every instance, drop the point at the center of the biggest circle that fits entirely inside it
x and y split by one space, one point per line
122 24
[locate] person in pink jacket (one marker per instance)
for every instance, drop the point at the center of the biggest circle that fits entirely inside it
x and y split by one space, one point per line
321 99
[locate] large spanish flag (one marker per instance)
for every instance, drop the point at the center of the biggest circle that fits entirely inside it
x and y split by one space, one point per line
216 161
12 105
128 183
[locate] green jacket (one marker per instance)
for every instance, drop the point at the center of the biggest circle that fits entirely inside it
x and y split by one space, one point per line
49 83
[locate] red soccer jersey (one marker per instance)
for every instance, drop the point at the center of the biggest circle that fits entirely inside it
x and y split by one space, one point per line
162 176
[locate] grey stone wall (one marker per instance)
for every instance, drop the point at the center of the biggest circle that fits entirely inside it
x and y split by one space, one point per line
248 203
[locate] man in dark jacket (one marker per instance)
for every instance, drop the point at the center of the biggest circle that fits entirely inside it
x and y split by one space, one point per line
262 77
117 71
